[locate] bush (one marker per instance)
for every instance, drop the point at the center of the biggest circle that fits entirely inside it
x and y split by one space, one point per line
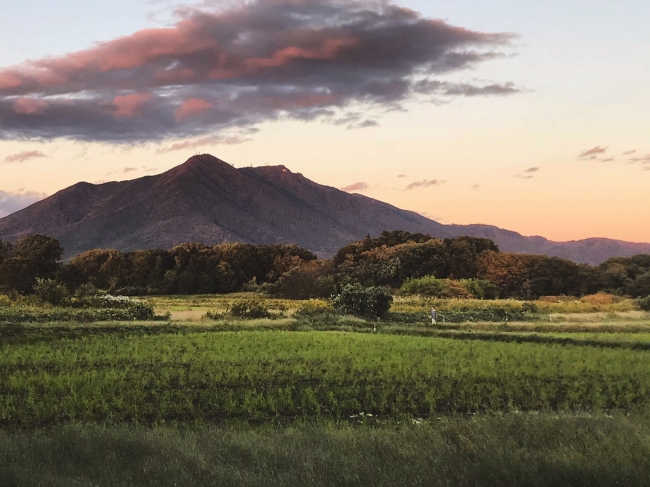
480 288
4 300
644 303
312 280
140 312
86 291
316 310
365 302
251 308
434 287
50 291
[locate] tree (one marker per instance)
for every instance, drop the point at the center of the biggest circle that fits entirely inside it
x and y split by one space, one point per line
31 257
366 302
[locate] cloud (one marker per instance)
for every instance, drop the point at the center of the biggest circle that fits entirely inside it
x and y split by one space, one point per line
129 169
210 140
629 153
524 177
23 156
363 125
401 175
12 202
424 184
641 160
476 187
360 186
609 159
241 65
592 153
532 169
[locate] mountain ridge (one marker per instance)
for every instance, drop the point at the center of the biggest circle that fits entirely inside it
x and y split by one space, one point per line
209 201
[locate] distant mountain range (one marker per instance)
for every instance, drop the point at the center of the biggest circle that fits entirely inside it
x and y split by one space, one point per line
207 200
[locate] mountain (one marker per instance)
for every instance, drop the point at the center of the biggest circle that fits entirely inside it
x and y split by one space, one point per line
207 200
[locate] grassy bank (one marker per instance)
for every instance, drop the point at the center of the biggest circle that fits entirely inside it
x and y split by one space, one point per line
511 450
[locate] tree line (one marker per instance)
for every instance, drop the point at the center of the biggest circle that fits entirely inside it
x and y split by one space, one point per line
290 271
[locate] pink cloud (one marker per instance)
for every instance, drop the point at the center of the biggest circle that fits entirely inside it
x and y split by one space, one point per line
192 106
29 106
360 186
592 153
212 140
130 105
424 184
23 156
301 59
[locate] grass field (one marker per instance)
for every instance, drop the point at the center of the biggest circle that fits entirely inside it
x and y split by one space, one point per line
514 450
556 401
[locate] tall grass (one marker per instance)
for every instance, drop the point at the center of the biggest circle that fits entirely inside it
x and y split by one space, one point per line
512 450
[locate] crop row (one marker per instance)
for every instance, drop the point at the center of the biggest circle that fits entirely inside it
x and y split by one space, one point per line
262 375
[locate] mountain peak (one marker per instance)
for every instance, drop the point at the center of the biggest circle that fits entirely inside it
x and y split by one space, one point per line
207 200
200 165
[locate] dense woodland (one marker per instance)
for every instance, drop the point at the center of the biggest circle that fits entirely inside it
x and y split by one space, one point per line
390 260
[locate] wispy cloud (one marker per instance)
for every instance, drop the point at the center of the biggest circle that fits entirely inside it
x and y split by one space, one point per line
127 170
424 184
241 65
12 202
592 153
364 125
360 186
532 169
23 156
629 153
641 159
401 175
203 141
476 187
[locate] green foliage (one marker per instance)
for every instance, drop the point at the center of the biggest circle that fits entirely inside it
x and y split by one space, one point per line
365 302
51 291
86 291
627 275
5 301
432 287
480 288
252 308
197 377
81 315
644 303
311 280
316 311
494 314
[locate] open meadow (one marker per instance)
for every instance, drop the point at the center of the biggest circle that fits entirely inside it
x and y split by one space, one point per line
560 397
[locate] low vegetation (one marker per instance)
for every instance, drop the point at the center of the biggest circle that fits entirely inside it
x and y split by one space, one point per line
515 450
322 372
207 376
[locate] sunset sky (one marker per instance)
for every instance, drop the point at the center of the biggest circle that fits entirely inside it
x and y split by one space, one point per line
533 116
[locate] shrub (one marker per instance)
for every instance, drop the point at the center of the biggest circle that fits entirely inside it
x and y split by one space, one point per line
86 291
434 287
4 300
365 302
481 288
250 308
315 310
644 303
50 291
311 280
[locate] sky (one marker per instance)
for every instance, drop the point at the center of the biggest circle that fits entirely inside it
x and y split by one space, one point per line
532 116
